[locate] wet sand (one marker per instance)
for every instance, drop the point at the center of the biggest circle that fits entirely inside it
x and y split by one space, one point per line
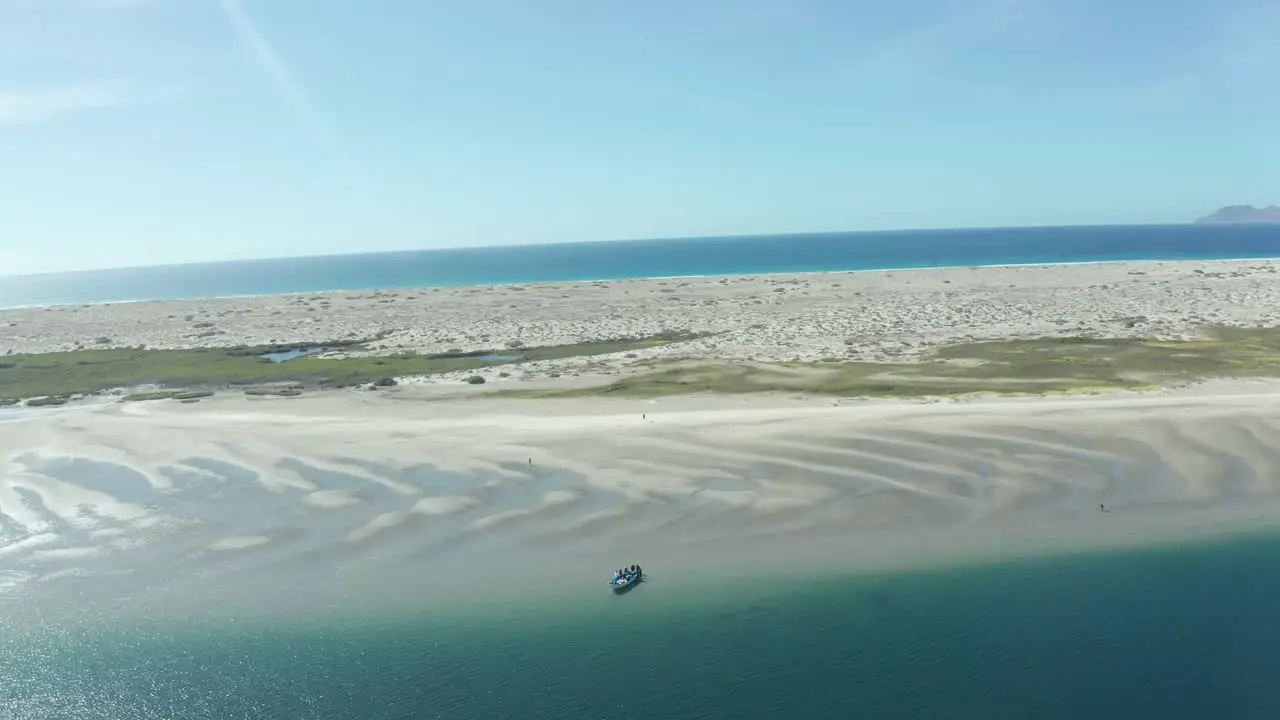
343 499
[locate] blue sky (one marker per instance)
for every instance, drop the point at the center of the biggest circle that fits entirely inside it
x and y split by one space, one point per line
157 131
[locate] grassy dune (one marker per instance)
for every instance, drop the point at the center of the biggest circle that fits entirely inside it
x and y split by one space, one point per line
1049 365
88 371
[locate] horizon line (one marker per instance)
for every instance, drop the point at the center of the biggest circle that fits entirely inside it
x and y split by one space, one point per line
691 238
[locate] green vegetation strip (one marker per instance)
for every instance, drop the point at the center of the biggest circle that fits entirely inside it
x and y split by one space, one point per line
1038 366
1035 366
59 375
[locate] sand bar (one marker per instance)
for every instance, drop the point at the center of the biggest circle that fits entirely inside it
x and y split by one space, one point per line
343 497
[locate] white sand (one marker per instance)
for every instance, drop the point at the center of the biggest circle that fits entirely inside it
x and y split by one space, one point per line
863 315
333 497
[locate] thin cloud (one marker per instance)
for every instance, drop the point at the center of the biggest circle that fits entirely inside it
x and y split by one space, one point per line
34 106
247 32
1245 39
77 5
959 27
1238 53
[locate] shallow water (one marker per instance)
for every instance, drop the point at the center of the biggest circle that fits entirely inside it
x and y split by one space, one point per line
1185 632
279 357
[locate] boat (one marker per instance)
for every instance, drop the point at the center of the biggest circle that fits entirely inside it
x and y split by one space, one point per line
627 579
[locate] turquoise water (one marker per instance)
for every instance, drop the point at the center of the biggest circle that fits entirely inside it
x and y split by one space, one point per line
1184 632
749 254
285 355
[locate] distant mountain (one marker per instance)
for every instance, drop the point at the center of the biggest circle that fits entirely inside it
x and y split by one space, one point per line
1244 214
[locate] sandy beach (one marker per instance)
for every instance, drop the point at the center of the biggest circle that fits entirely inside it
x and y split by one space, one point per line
341 497
880 315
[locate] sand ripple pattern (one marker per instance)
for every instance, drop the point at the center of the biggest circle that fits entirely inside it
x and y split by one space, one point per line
129 503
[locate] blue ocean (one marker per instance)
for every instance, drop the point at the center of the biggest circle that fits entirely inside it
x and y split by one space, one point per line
751 254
